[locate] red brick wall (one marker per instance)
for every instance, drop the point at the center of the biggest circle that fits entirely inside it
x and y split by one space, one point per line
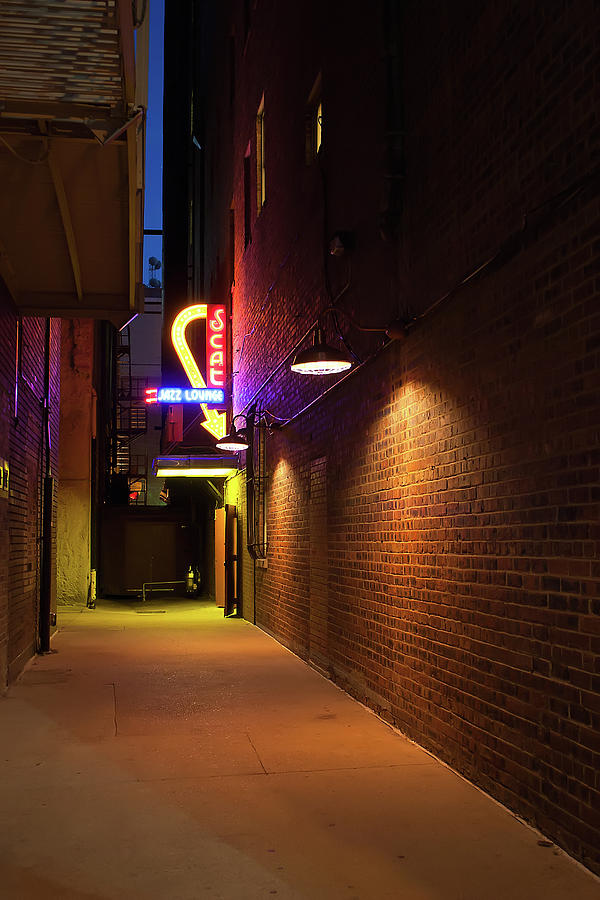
20 516
463 592
7 374
433 523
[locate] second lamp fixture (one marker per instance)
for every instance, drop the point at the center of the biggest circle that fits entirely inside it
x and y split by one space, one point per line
320 359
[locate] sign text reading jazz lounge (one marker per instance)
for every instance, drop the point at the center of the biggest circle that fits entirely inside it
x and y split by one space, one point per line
210 396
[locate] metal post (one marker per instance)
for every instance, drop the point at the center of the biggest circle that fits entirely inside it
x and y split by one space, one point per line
47 500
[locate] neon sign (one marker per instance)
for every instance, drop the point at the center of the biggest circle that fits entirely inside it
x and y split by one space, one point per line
215 346
210 396
215 422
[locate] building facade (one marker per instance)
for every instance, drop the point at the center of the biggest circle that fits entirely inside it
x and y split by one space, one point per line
72 103
30 387
421 181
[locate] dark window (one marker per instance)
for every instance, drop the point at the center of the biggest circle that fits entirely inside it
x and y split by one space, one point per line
231 72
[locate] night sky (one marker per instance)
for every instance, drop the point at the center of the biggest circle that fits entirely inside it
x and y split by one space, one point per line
153 197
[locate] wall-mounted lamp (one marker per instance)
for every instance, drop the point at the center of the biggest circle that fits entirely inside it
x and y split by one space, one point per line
235 440
320 359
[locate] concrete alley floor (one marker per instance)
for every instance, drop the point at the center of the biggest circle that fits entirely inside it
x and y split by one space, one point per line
164 752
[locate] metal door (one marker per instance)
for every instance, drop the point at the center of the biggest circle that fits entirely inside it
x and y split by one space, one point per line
220 529
231 573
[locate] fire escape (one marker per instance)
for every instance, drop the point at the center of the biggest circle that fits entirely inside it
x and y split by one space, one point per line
130 421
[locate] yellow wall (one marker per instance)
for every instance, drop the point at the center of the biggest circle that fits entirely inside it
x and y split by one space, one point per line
74 496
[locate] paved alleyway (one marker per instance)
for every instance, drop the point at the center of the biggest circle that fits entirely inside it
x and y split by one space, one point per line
167 753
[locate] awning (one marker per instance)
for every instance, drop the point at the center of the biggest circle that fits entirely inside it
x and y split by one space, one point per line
71 157
195 466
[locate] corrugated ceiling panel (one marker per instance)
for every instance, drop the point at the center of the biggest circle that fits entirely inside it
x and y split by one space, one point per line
60 51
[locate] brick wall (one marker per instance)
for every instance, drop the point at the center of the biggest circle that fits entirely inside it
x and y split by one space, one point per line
463 592
433 522
7 376
20 515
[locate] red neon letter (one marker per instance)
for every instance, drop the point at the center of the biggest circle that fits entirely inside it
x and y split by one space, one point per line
216 363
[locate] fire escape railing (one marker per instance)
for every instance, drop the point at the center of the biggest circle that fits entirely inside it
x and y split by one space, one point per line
129 471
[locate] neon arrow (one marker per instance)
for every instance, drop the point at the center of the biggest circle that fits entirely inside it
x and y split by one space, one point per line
215 423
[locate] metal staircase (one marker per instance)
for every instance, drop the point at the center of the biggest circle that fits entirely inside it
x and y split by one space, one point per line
130 421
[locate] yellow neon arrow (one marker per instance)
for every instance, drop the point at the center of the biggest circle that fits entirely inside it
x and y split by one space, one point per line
215 422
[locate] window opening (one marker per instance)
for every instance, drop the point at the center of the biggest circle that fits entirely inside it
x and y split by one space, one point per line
314 122
318 126
137 491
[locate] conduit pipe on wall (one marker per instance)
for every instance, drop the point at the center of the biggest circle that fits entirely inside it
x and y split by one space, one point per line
297 345
394 330
250 523
332 387
533 221
255 514
280 366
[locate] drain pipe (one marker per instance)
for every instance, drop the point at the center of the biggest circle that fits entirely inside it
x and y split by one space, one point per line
47 502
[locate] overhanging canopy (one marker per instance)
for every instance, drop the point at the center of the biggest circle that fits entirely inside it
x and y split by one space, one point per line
71 157
195 466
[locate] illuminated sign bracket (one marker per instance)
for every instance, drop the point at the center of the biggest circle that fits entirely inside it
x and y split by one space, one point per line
216 317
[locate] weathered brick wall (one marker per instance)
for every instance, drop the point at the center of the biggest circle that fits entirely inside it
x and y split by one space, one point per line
463 591
7 376
20 513
433 523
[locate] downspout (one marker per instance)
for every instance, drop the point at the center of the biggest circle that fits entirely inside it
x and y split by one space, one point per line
46 511
250 523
